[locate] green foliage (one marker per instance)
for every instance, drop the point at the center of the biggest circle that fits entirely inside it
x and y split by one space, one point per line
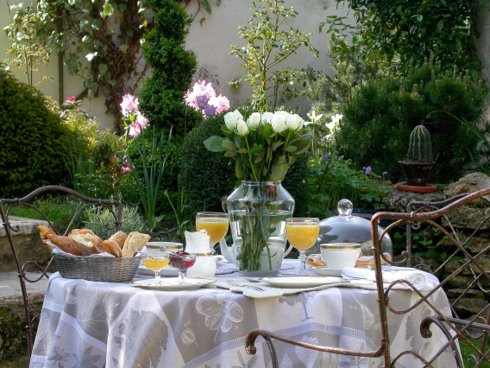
420 145
205 177
106 33
396 34
162 95
148 167
34 142
378 120
334 178
267 46
25 50
101 221
58 210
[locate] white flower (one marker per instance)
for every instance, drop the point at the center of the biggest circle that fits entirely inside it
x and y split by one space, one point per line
242 128
294 122
279 121
253 120
314 118
266 117
334 123
231 119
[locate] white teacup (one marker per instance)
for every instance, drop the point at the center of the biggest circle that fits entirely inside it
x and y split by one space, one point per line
340 255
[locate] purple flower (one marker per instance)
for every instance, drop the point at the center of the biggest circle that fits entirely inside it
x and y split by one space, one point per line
368 170
209 110
326 156
203 98
202 101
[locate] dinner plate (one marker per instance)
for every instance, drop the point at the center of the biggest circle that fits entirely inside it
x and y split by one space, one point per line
173 284
300 281
325 271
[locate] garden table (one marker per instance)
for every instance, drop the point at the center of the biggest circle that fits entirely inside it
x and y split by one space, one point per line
98 324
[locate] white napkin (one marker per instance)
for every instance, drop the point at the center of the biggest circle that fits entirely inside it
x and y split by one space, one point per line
421 280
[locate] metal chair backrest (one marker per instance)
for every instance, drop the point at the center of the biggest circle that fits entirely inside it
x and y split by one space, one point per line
457 231
25 269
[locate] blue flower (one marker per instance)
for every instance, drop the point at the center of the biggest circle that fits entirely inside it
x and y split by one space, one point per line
326 156
368 170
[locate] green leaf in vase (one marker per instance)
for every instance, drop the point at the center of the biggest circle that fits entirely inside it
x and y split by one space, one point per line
214 144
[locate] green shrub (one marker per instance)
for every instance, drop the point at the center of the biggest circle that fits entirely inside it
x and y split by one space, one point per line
205 177
162 95
377 121
333 178
34 143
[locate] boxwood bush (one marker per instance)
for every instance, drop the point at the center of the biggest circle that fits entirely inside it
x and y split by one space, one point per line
33 141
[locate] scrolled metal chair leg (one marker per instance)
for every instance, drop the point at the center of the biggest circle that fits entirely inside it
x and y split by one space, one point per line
425 332
252 350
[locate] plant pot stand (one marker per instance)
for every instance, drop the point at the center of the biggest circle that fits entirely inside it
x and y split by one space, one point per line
425 188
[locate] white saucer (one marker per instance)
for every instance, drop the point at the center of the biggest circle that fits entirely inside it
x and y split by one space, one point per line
173 284
300 281
325 271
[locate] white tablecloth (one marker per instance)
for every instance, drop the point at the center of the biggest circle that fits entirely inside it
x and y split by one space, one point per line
95 324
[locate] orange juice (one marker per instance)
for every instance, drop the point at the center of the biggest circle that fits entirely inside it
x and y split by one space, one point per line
302 235
156 264
215 226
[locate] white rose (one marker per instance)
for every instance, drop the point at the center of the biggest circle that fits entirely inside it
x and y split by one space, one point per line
242 128
266 117
253 120
279 121
231 119
294 122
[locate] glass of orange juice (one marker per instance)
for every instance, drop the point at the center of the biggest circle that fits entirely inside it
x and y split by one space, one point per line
302 233
156 260
215 223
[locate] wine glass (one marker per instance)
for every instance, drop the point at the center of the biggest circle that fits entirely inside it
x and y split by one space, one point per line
156 260
215 223
302 233
182 261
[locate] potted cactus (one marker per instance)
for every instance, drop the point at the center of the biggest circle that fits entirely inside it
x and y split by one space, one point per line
419 161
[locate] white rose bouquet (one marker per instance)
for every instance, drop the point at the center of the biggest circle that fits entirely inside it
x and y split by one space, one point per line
264 145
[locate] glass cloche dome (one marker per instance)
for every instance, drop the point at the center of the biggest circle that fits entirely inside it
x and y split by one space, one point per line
346 228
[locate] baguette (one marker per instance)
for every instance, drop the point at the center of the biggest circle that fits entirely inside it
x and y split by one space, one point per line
133 244
109 246
65 243
119 238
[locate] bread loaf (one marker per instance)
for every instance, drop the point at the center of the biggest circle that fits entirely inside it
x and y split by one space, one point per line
134 242
65 243
109 246
119 238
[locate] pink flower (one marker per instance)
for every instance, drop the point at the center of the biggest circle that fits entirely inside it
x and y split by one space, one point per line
125 167
221 103
134 130
141 120
202 97
70 99
129 104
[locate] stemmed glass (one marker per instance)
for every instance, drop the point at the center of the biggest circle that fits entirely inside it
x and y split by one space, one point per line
182 261
215 223
156 260
302 233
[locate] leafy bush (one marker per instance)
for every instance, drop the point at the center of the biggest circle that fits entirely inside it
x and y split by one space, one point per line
100 221
205 177
381 114
34 142
162 95
333 178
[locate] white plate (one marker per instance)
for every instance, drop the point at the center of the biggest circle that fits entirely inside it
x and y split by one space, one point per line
325 271
300 281
173 284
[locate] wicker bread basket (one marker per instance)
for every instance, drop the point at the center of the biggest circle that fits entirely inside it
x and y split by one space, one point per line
109 269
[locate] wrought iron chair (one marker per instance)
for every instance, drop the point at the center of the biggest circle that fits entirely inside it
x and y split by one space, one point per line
32 271
425 217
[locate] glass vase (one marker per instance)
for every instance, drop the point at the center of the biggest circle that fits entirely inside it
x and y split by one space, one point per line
258 213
